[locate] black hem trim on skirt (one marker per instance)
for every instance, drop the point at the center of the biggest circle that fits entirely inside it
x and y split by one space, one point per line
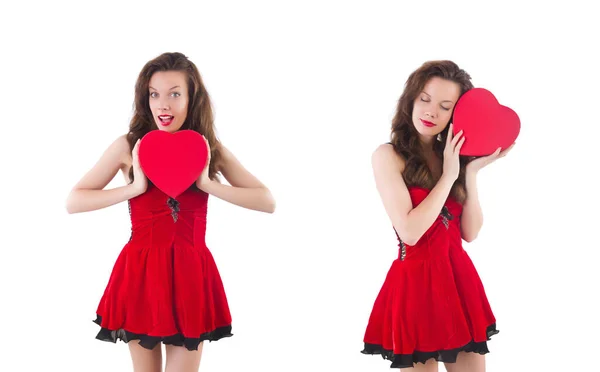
149 342
445 356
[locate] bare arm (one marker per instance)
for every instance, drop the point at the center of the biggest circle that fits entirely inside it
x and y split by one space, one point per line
410 223
472 217
245 191
89 194
471 220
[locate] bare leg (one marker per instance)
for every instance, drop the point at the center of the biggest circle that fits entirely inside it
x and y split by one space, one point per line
145 360
467 362
430 366
180 359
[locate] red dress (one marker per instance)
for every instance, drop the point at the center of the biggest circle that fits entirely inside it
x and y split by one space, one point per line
165 286
432 303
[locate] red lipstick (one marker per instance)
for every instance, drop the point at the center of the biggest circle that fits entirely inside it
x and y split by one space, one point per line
427 123
165 120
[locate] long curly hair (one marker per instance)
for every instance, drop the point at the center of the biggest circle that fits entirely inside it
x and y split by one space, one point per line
405 138
199 115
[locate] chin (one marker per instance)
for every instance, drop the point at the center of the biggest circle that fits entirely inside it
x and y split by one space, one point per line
427 131
171 128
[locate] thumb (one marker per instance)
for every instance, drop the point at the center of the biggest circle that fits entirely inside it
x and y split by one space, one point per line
496 153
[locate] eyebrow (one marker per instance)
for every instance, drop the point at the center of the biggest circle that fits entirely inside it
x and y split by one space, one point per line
176 86
442 101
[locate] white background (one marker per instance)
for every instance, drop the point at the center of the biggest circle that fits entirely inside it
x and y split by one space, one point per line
303 93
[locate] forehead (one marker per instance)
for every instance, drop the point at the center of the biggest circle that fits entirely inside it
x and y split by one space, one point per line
442 89
168 79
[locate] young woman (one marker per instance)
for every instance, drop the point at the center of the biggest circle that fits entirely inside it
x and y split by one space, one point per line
432 306
165 286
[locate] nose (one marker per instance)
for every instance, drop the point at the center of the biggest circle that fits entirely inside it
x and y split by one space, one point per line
163 105
431 114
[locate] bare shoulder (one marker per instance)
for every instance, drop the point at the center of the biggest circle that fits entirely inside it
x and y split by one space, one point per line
224 150
113 159
121 144
227 157
117 152
121 150
234 172
385 156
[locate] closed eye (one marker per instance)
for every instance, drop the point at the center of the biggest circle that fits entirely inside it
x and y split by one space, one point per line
443 108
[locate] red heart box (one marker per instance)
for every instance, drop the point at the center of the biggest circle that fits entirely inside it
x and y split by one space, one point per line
485 123
173 161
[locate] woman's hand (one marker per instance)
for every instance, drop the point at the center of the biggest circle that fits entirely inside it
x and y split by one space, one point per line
477 164
204 180
451 167
140 182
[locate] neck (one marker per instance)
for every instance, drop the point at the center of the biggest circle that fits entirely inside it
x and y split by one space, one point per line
427 142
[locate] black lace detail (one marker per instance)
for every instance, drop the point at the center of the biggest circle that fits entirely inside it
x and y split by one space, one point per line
129 208
445 356
174 205
402 246
402 250
149 342
446 216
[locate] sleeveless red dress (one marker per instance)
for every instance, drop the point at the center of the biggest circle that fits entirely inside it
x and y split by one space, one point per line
432 304
165 286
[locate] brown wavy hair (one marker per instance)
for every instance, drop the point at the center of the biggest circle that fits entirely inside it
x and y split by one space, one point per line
405 138
199 115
